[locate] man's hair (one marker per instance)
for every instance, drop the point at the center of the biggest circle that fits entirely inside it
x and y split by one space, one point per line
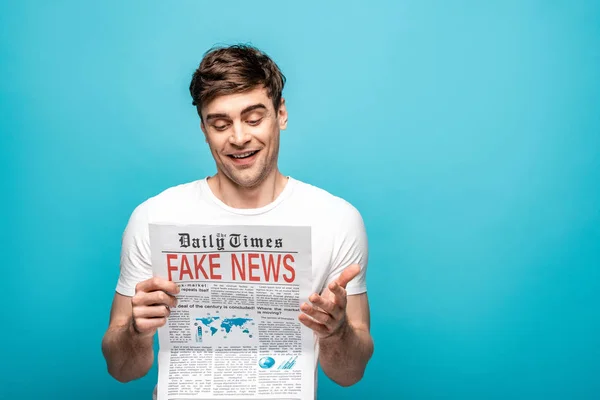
235 69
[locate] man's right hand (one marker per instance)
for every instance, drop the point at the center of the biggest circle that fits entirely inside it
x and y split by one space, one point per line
151 305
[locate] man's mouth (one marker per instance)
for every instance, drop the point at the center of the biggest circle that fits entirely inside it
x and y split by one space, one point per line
241 156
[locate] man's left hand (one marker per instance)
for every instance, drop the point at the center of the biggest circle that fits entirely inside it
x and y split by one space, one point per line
326 316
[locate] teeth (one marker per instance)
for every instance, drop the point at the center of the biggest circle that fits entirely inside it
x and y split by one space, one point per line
244 155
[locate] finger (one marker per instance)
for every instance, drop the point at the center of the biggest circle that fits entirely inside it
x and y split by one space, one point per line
151 312
325 305
157 283
348 274
339 294
145 325
318 315
312 324
154 298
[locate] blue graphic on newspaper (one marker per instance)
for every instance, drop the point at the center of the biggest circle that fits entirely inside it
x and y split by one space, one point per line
288 364
266 362
269 362
212 325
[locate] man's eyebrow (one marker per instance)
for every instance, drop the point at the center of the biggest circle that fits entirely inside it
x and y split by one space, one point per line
216 116
253 107
244 111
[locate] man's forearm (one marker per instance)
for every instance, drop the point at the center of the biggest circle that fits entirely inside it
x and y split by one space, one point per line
344 357
127 355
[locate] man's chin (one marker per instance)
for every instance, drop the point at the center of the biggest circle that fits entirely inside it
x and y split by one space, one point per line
246 182
247 178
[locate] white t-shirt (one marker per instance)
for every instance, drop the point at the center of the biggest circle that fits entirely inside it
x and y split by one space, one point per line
338 233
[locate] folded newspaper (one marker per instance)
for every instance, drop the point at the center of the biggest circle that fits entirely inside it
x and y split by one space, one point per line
235 333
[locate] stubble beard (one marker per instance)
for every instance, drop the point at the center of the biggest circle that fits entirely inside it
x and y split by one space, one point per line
252 179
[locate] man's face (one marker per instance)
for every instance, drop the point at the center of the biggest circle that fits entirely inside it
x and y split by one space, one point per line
242 131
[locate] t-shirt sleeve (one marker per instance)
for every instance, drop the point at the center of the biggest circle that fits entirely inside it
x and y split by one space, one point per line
135 264
350 247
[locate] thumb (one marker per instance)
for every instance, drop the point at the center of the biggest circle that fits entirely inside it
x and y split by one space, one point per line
347 275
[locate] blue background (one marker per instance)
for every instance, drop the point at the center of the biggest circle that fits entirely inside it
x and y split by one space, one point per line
467 133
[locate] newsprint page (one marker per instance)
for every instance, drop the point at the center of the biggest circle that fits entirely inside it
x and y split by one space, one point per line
235 333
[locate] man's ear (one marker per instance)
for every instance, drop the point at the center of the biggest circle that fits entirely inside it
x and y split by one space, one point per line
282 115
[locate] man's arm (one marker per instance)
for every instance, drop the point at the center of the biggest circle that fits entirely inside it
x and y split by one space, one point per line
344 356
342 324
127 355
128 342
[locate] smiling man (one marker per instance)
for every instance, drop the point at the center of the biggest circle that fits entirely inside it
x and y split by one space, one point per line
237 91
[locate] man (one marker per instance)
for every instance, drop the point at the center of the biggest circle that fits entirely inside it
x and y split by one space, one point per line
237 91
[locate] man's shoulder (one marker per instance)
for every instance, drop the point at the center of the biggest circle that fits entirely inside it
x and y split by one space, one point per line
172 198
323 201
334 219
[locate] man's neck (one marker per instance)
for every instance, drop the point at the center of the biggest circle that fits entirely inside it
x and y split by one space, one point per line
236 196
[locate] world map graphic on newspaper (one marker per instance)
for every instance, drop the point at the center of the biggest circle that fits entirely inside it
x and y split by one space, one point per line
215 324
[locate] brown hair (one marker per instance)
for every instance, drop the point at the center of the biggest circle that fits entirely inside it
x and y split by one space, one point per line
235 69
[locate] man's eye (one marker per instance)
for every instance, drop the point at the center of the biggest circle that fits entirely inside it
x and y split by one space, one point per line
221 127
254 122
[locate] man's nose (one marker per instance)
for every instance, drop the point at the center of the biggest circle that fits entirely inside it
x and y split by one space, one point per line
239 136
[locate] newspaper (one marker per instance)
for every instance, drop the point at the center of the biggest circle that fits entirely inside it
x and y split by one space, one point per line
235 333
